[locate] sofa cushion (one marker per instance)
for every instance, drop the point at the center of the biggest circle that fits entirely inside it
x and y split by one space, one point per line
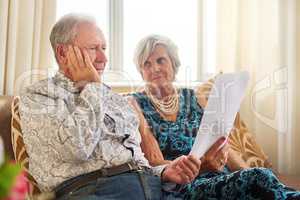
243 142
5 119
19 150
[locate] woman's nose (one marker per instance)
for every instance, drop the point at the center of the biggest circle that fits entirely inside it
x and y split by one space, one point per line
156 67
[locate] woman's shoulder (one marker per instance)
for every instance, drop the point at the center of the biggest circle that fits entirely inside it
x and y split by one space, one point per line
142 100
187 92
191 97
138 94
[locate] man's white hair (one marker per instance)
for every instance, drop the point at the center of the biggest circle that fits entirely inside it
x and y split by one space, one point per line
146 46
65 29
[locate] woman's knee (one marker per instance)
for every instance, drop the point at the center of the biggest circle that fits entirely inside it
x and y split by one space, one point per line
261 174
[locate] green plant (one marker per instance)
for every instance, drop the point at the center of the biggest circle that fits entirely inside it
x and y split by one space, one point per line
8 173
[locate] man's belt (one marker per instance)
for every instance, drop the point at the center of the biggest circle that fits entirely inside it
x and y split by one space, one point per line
81 180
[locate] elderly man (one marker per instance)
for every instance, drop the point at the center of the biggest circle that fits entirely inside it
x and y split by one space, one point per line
82 139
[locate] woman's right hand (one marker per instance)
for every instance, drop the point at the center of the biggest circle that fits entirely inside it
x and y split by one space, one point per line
216 157
182 170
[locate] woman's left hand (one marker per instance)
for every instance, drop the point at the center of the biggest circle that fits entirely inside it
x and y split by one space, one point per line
216 158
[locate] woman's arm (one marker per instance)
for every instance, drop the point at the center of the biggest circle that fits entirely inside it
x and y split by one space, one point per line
149 144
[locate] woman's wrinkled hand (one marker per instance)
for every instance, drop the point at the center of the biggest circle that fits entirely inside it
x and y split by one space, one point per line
216 157
182 170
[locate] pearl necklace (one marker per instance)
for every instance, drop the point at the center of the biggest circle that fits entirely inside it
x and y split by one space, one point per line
168 106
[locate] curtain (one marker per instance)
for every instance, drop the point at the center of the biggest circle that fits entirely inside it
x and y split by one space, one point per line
262 37
24 45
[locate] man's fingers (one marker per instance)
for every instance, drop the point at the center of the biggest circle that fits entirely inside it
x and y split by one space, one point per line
185 179
185 174
86 58
195 160
79 57
176 165
187 170
182 170
68 73
193 164
72 58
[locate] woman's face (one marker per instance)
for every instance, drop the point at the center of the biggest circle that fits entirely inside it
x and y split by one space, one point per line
157 69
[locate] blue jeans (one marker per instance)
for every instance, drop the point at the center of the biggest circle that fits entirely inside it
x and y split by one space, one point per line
131 186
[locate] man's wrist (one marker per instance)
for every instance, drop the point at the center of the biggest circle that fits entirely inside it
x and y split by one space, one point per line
163 174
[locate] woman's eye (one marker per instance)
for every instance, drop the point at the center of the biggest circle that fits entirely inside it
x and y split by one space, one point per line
147 65
160 60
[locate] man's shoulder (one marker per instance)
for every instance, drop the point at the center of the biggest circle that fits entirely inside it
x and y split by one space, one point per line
39 86
39 91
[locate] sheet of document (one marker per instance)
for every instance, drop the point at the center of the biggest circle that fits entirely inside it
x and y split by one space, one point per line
221 109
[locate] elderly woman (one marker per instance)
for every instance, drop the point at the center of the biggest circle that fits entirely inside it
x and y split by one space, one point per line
169 121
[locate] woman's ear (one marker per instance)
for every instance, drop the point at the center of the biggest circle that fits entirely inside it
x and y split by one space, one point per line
142 74
174 76
61 54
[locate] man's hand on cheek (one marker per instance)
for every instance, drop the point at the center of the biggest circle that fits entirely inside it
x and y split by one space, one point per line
79 67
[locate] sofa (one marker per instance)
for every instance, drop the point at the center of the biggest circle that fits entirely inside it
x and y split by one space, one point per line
241 141
5 124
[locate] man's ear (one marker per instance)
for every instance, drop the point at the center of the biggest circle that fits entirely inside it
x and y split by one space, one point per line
61 54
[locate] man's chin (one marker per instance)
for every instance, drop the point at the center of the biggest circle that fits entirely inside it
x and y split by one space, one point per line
100 71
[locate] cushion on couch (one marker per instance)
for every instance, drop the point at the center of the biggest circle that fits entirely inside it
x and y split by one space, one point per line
5 116
19 150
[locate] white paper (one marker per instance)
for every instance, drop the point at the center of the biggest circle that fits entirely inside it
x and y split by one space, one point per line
221 109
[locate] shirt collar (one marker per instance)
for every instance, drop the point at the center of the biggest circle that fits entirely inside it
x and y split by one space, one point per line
61 80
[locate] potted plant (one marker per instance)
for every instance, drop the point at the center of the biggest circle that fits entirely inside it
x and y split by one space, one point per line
13 185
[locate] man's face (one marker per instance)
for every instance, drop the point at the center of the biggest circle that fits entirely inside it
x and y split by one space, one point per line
90 37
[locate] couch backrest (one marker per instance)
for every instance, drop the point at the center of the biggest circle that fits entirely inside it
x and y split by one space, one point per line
5 124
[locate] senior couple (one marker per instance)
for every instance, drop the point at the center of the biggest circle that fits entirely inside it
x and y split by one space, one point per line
86 142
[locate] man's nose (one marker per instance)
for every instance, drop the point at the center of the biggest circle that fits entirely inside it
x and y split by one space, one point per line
100 56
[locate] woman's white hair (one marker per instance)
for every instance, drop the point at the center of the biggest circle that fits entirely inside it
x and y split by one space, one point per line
65 29
146 46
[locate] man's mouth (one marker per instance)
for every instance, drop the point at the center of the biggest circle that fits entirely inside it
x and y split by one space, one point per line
99 67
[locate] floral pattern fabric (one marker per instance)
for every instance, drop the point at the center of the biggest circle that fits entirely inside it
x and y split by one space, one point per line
176 138
68 132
